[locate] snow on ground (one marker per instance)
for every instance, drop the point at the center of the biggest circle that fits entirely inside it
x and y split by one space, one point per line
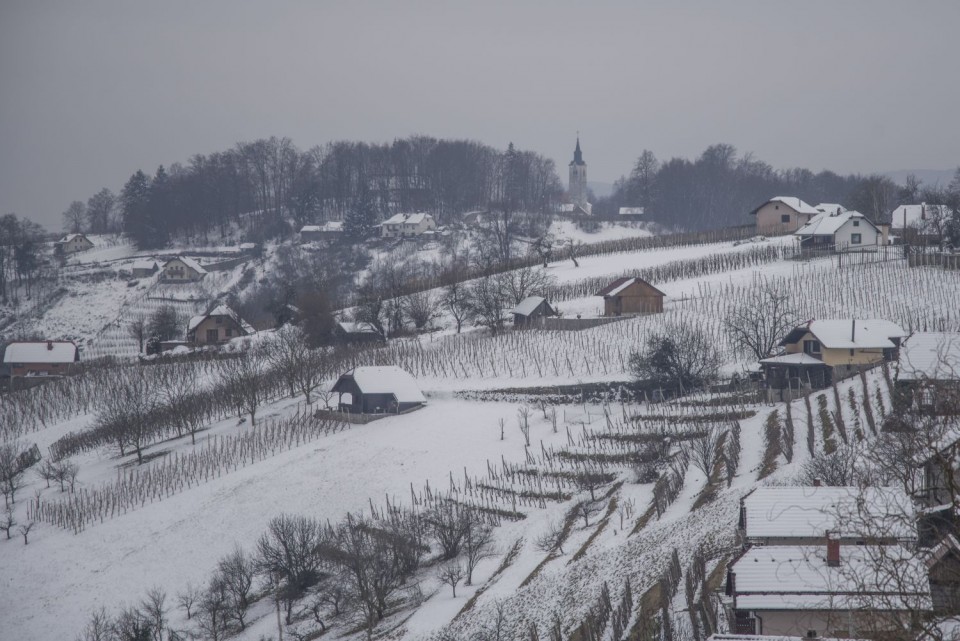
569 230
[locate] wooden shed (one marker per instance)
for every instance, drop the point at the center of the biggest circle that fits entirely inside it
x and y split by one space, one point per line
631 296
530 309
378 390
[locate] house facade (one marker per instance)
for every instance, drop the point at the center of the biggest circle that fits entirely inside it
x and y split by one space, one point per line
631 296
839 231
407 225
921 223
41 358
71 244
378 390
218 326
327 231
182 270
783 214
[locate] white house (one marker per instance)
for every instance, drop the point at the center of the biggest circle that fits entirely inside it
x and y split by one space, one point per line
839 231
921 220
71 244
407 225
182 270
829 590
783 214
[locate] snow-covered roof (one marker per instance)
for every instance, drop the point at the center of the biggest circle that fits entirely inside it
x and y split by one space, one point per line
930 356
631 211
352 327
332 226
528 305
69 237
824 224
40 352
388 379
916 216
849 334
408 219
617 286
189 262
144 264
807 511
793 203
221 310
831 208
310 228
878 577
793 359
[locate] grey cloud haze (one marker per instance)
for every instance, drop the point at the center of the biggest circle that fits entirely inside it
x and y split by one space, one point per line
91 91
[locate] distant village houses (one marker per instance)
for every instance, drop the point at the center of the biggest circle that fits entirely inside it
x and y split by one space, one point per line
71 244
217 326
182 270
407 225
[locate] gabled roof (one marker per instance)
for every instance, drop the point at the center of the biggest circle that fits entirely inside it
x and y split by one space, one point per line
848 333
831 208
528 305
351 327
916 216
40 352
631 211
388 379
878 577
221 310
617 286
408 219
145 264
829 224
69 237
309 228
808 512
189 262
931 356
792 202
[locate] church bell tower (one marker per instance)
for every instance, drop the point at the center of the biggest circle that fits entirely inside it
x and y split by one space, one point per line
578 177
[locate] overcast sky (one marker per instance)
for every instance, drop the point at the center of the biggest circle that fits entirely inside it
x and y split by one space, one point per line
91 91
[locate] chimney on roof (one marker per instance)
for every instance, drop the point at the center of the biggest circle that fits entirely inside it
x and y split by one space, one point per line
833 551
50 345
853 330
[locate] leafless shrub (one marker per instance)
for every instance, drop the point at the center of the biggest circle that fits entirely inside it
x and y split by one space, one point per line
451 573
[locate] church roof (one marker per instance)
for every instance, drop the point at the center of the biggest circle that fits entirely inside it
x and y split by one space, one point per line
577 155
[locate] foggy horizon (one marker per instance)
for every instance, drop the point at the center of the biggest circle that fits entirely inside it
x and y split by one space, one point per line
94 92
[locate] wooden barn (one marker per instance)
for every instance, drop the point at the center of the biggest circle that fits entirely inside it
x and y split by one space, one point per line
631 296
349 332
530 309
378 390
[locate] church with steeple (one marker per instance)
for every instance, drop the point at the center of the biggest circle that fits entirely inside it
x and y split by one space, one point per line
578 178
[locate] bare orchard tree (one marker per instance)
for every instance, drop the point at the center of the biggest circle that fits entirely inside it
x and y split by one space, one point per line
289 551
448 523
517 284
243 381
303 369
451 573
213 610
188 599
237 571
477 543
8 522
678 354
11 474
489 302
127 412
757 325
574 249
421 309
552 538
138 328
457 300
154 608
705 451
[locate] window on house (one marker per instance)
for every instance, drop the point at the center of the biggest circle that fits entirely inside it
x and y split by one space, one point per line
856 223
811 347
777 207
855 239
785 218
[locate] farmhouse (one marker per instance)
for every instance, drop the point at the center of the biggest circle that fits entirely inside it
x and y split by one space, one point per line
144 268
71 244
783 214
217 326
348 332
829 590
530 309
326 231
929 371
839 231
802 515
820 351
407 225
919 223
182 270
41 358
631 296
378 390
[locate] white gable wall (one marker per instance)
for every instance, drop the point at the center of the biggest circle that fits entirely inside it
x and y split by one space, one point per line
869 236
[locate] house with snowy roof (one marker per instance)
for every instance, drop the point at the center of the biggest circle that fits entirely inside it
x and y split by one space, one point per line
828 590
839 231
144 268
348 332
782 215
41 358
219 325
803 514
631 295
378 390
407 225
928 371
530 309
182 269
821 351
71 244
918 223
328 230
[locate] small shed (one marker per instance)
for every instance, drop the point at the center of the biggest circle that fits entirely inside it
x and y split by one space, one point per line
144 268
378 390
530 309
631 295
349 332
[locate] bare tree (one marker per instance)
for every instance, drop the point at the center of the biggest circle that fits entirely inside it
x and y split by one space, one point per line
74 217
451 573
189 597
243 381
25 530
477 544
8 522
517 284
290 551
678 354
98 628
421 308
448 523
839 468
155 609
139 330
303 368
489 302
458 302
574 250
705 451
237 570
11 473
759 323
552 538
213 610
588 509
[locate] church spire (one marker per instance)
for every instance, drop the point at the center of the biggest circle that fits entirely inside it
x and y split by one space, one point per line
577 154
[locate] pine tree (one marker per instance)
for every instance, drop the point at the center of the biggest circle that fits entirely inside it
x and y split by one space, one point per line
361 219
134 201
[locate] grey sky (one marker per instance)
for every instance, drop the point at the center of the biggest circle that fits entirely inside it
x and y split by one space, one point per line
90 91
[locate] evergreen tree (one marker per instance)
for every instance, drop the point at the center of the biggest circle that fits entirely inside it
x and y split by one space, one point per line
361 220
134 201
